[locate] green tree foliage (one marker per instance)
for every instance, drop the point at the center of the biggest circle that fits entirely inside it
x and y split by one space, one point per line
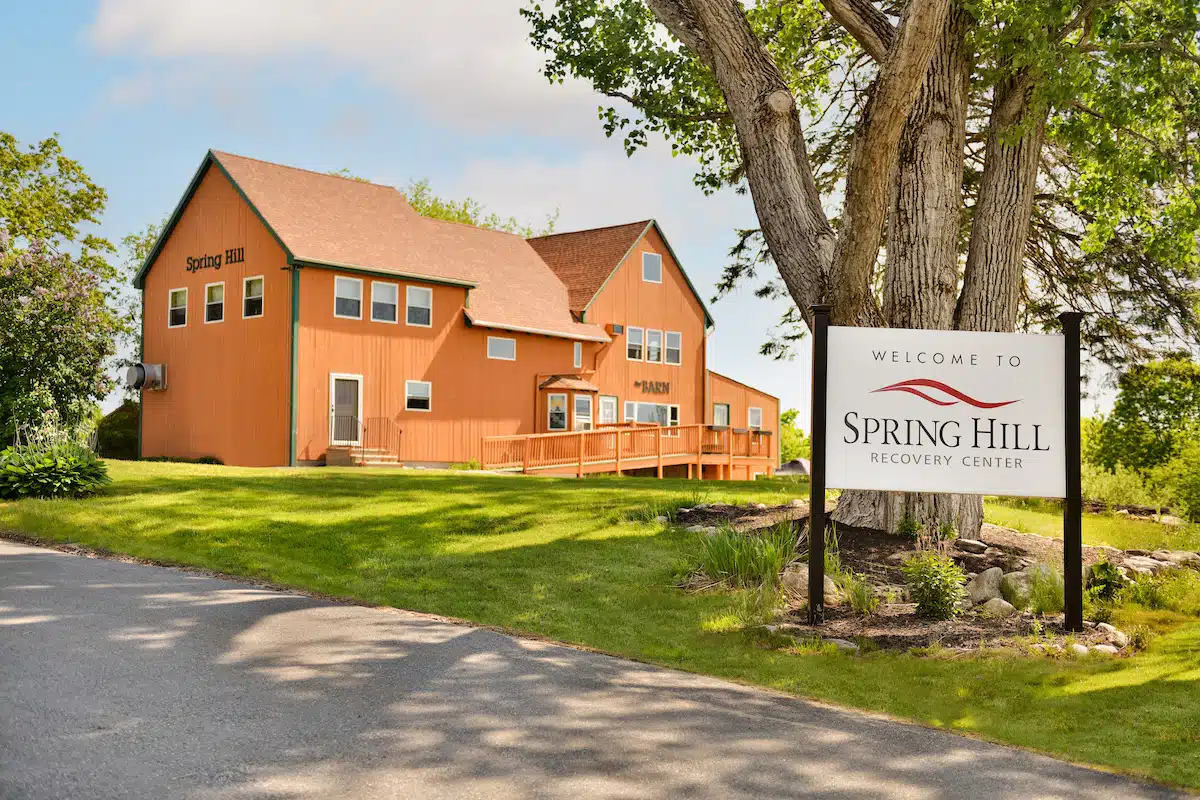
1157 409
793 443
468 211
1116 213
58 332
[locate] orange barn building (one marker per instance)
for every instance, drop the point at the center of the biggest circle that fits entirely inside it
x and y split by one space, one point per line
300 318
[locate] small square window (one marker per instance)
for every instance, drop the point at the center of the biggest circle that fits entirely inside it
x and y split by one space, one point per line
674 348
385 301
177 311
633 344
654 341
347 302
418 395
721 415
252 297
754 419
578 355
501 348
651 268
420 306
214 302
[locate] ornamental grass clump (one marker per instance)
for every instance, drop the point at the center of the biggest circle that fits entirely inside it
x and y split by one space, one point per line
747 560
936 583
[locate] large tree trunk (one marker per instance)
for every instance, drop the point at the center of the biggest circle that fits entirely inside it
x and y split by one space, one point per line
922 258
996 255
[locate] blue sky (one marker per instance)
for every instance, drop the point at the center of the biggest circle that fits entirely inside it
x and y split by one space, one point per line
451 91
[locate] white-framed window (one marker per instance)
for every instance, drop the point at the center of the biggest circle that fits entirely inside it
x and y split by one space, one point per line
252 296
347 297
754 418
634 339
653 413
556 412
721 415
385 302
651 268
418 396
578 355
177 308
502 348
420 306
214 302
583 412
674 351
654 348
608 409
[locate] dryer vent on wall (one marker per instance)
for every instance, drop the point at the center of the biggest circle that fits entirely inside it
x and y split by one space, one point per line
147 376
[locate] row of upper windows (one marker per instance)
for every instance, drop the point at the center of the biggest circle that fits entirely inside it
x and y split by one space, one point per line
556 411
721 416
643 344
385 302
214 302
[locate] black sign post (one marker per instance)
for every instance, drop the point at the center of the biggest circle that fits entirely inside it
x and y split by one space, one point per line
816 490
1073 502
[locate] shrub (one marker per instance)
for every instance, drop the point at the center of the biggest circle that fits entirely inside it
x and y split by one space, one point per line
472 464
1175 590
947 532
858 592
63 469
1104 580
747 560
1046 591
1180 481
936 584
117 433
1120 487
909 527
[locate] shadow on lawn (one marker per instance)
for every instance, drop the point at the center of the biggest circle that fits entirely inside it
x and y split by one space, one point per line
136 681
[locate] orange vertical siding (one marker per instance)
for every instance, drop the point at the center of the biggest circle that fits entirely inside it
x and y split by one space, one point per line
472 396
227 382
740 398
670 306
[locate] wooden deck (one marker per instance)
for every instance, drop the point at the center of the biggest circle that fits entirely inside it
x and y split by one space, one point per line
706 451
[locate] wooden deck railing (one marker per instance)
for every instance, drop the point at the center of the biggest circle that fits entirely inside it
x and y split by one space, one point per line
625 446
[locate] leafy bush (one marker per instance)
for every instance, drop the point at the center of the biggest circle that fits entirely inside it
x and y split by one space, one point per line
1104 580
936 583
746 560
1120 487
64 469
947 532
909 527
1180 481
117 433
1175 590
1156 403
1046 591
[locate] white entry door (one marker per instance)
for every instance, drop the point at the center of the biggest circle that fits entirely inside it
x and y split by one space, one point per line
345 409
608 409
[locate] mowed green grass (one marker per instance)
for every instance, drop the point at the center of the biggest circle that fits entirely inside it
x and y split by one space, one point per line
1041 517
562 559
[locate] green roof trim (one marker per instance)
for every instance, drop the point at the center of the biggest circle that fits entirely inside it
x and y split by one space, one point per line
210 160
708 318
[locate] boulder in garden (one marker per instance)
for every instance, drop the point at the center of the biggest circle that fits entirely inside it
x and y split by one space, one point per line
795 581
998 607
985 586
971 546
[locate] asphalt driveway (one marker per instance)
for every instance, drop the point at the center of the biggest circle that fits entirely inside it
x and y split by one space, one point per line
122 680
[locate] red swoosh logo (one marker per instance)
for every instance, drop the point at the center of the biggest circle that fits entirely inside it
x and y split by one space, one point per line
910 386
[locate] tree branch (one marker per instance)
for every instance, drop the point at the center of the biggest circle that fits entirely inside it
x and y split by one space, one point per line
680 20
709 116
867 24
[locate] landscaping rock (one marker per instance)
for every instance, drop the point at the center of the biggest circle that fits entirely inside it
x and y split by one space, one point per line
695 529
685 511
661 520
1017 586
985 586
971 545
1178 557
1104 648
761 506
1168 519
711 530
796 504
1113 635
965 604
1077 649
795 581
1145 565
998 607
843 644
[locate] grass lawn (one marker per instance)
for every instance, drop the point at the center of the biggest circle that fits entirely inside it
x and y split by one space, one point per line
1042 517
560 558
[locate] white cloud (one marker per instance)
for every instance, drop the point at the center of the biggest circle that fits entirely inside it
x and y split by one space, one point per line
466 63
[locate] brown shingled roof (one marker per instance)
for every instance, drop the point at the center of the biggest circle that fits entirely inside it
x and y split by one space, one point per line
584 260
335 221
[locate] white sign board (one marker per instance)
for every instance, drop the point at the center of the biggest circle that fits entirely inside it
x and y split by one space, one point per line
945 411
